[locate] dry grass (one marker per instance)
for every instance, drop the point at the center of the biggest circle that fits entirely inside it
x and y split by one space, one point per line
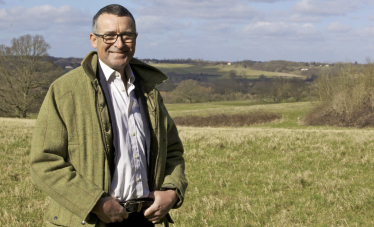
22 204
224 120
248 176
277 177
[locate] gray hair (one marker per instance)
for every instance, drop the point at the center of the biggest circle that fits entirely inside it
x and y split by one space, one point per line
113 9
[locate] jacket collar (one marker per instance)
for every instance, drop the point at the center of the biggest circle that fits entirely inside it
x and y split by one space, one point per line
149 75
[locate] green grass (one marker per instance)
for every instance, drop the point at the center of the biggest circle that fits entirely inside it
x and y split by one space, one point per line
219 70
277 177
22 204
275 174
293 113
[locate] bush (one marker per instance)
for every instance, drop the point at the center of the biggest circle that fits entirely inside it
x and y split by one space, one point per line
346 96
224 120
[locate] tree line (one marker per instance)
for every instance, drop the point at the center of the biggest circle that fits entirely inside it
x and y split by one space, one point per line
263 89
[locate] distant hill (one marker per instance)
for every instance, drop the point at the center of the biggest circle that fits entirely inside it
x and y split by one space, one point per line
220 70
66 62
182 69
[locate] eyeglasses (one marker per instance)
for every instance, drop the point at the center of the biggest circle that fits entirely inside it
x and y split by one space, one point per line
127 37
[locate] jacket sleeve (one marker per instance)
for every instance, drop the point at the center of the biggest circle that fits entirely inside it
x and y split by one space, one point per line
50 167
175 165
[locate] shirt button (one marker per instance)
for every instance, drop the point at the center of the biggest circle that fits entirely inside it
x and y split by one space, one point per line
136 156
117 74
138 179
133 134
122 89
83 222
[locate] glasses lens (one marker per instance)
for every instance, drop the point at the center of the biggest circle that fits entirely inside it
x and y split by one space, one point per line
128 37
110 38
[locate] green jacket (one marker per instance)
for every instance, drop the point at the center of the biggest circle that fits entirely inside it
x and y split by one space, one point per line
72 144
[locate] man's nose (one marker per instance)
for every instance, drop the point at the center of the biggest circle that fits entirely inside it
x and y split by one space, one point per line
119 43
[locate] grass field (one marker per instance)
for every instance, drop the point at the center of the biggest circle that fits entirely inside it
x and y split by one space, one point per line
275 174
219 70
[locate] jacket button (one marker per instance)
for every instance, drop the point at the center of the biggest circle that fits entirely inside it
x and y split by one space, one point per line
55 218
83 222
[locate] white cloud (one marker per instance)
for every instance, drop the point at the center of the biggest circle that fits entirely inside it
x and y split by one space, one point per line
267 1
2 2
158 24
223 28
43 17
371 17
282 29
302 18
219 9
367 32
328 7
337 27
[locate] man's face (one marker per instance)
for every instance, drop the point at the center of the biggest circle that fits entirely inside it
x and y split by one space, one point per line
118 54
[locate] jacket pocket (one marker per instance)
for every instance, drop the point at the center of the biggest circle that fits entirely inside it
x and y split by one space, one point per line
60 216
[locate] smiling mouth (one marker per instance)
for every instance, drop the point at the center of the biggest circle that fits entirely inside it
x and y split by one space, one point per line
117 52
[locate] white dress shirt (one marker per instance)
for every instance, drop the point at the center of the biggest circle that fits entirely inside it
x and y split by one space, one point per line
130 162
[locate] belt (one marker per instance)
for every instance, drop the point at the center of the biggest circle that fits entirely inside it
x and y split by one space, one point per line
136 205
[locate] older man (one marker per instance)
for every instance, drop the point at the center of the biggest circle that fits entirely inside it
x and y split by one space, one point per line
105 149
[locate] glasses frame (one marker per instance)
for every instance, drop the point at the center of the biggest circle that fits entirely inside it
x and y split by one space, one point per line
131 41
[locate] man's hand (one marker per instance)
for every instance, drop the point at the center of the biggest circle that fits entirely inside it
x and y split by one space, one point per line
109 210
163 202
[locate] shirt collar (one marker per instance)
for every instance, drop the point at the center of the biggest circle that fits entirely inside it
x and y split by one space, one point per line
108 72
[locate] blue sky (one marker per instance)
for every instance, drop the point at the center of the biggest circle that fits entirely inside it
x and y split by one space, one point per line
297 30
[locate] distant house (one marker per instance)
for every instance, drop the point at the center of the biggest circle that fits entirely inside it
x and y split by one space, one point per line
68 67
327 65
228 63
304 69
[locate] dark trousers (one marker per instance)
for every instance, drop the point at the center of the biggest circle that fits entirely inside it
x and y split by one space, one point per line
134 219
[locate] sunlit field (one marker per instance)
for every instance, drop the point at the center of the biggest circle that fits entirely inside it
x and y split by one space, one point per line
219 70
278 177
281 173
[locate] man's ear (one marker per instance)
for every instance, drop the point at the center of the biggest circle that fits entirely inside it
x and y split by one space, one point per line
93 39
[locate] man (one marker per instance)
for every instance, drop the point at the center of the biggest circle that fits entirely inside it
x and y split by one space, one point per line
105 149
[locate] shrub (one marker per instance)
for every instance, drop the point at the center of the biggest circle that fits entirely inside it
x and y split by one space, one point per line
346 96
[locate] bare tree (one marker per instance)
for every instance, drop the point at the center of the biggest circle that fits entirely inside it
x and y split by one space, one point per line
25 74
